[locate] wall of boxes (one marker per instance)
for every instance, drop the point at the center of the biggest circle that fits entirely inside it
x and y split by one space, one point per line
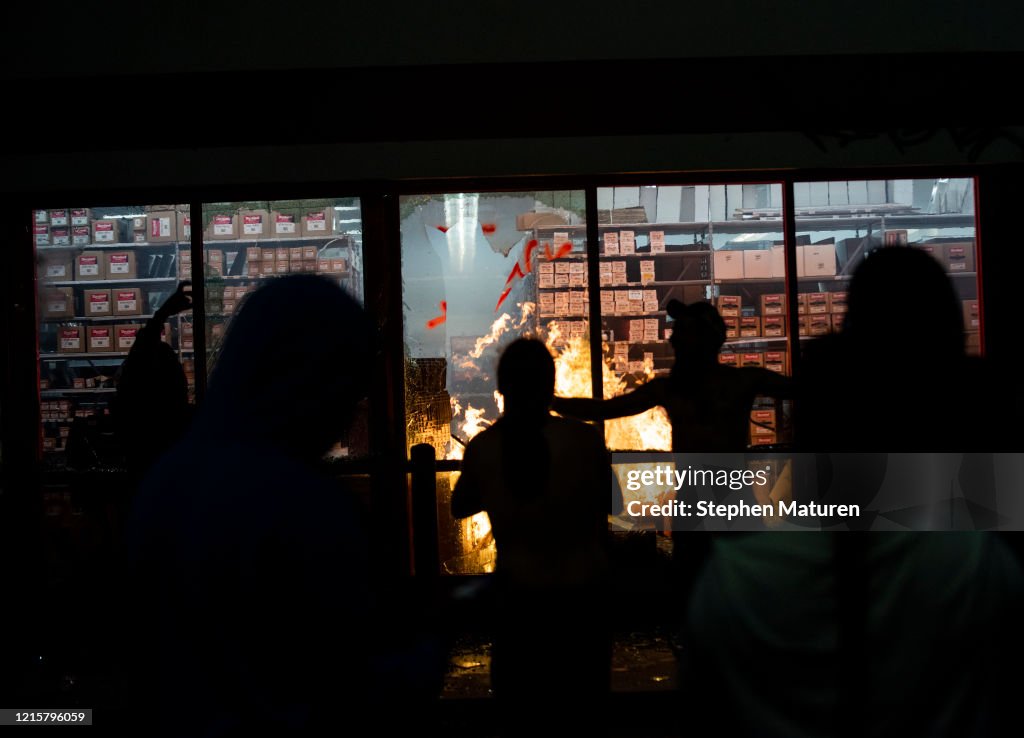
245 246
102 273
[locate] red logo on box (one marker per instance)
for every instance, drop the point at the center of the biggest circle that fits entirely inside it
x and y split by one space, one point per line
252 219
222 219
98 298
125 295
315 216
69 333
285 218
104 225
126 332
40 230
99 332
87 260
119 258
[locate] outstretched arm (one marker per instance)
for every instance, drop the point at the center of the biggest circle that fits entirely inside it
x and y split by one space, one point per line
641 399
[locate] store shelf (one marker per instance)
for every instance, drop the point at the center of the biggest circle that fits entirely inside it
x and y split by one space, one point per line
101 282
247 278
71 391
210 242
114 246
781 280
111 318
659 283
649 255
84 355
751 341
831 278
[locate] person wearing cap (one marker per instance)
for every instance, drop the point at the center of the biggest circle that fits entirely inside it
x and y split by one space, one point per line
707 403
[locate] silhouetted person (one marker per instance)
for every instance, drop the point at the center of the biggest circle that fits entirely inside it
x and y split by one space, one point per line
868 633
250 567
546 484
897 378
151 409
708 403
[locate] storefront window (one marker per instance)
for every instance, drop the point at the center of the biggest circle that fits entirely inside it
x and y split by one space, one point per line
840 223
102 274
717 243
245 244
480 270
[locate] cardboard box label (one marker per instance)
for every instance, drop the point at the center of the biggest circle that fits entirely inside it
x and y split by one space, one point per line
252 225
223 225
627 242
57 305
41 216
80 235
160 227
773 304
70 339
60 236
127 301
58 217
41 234
57 270
774 326
817 302
657 242
119 264
957 256
99 338
126 337
284 224
88 266
99 303
316 222
186 227
104 231
611 244
80 216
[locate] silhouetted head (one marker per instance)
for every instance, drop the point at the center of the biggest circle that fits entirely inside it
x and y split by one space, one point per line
294 363
901 302
526 377
698 331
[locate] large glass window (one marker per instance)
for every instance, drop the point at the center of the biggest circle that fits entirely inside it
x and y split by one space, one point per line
102 274
840 223
717 243
479 270
245 244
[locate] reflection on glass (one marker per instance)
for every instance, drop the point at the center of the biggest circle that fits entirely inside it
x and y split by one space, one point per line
480 270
